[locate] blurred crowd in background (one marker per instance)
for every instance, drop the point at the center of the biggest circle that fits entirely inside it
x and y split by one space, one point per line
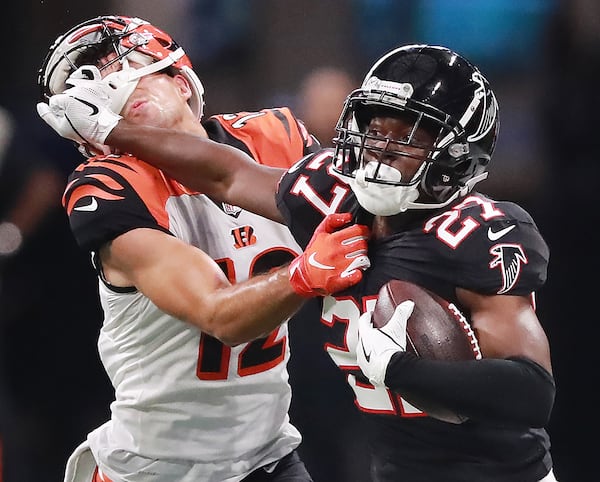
542 58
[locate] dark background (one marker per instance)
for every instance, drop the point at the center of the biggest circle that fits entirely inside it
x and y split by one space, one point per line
543 60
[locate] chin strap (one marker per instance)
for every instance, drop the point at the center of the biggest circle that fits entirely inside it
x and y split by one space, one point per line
123 82
388 200
383 199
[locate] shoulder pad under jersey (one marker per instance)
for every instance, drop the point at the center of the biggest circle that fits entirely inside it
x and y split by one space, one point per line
491 246
274 137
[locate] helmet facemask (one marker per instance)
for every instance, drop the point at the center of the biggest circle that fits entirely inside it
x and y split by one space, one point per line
121 40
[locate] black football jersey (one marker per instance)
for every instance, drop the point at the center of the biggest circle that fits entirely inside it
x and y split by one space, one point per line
476 243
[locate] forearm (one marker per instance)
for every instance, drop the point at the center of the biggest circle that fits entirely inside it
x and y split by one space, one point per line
249 310
511 391
184 156
220 171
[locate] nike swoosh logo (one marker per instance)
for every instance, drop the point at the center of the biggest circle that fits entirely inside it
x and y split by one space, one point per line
313 262
361 262
496 235
367 356
94 108
92 206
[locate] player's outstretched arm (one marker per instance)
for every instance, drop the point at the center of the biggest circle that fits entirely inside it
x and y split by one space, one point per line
186 283
222 172
82 114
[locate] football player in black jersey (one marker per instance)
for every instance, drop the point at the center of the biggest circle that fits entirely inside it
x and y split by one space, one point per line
411 145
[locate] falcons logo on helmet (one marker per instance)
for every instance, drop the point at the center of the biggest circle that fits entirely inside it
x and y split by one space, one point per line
509 258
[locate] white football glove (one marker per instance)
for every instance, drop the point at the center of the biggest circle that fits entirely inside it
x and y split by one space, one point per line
82 112
377 345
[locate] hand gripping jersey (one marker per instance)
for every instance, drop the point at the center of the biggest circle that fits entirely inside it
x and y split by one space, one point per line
476 243
207 411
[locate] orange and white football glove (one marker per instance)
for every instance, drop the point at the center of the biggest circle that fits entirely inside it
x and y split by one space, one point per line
334 259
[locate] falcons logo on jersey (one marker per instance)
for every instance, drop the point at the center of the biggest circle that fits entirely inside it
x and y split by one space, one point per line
508 258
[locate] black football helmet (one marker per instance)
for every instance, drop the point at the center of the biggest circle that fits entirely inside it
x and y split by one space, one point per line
436 88
129 39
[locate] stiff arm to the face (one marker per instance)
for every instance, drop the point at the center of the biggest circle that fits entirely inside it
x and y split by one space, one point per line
224 173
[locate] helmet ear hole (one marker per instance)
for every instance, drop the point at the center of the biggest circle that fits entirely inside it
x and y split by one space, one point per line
437 182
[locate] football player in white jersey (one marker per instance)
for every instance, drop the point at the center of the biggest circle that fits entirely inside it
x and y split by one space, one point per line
412 143
196 293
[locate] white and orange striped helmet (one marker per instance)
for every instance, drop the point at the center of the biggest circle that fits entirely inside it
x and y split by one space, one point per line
131 39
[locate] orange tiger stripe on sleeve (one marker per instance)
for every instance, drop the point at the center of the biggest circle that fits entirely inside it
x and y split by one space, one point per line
274 136
116 178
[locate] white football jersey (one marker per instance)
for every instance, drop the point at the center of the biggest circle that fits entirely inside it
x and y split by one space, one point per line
181 395
187 407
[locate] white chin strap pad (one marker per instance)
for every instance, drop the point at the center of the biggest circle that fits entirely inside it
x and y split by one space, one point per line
382 199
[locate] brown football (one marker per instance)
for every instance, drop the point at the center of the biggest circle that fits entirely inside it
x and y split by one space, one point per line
436 330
